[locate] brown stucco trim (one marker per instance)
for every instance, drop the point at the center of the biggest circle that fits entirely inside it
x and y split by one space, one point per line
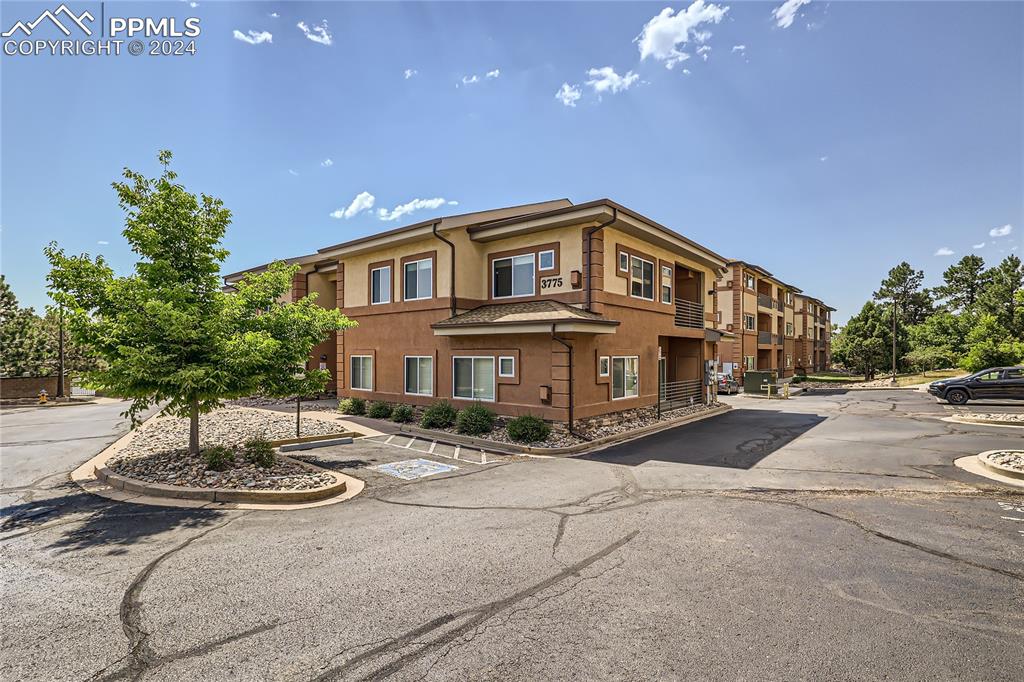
538 274
425 255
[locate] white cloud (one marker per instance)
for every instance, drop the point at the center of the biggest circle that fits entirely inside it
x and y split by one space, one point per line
363 202
739 48
275 15
686 72
823 159
662 35
944 251
1000 231
292 172
703 51
326 163
409 73
785 13
469 80
978 246
193 5
453 203
569 94
318 33
409 207
253 37
493 74
605 79
102 242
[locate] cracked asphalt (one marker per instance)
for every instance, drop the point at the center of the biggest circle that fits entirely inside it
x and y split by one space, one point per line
824 537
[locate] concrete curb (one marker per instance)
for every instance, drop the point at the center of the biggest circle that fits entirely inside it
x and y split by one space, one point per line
314 439
996 422
973 465
582 448
998 468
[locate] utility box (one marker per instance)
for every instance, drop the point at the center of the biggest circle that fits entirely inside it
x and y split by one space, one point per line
752 381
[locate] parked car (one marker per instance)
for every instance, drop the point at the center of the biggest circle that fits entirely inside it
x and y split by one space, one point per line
727 384
997 383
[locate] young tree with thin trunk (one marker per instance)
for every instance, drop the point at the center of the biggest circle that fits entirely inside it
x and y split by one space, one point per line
168 334
902 289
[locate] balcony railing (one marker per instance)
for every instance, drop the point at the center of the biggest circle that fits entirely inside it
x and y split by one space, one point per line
689 314
778 305
764 301
764 337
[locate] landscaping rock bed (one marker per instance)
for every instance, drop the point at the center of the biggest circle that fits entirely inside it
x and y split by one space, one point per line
1011 459
156 452
995 417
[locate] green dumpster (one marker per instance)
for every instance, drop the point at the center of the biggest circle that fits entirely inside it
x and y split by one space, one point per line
754 380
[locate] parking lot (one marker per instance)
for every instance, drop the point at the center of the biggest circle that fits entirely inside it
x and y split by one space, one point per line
784 539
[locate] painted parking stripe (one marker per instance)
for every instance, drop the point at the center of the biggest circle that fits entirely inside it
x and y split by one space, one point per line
409 444
433 444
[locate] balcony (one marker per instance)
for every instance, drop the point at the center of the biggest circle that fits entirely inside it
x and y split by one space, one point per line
766 338
779 306
764 301
689 314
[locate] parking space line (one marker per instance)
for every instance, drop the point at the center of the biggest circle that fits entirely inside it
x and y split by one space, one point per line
433 444
390 438
457 449
409 444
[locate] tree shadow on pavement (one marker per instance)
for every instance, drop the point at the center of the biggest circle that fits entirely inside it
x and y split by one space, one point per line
738 439
83 520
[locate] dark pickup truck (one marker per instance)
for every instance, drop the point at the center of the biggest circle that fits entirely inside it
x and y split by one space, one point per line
995 383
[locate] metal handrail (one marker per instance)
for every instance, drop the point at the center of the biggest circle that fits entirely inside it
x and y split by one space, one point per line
689 314
764 300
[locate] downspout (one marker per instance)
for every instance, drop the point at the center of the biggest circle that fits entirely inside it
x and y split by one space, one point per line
590 254
451 287
571 384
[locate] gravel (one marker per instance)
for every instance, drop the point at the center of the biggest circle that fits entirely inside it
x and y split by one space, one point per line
995 417
1011 459
156 452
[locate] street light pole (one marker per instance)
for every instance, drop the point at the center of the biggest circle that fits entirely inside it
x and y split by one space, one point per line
60 353
893 379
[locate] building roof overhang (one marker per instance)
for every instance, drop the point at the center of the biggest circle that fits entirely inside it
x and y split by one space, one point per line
530 317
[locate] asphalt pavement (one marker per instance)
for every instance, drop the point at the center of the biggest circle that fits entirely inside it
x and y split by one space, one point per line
825 537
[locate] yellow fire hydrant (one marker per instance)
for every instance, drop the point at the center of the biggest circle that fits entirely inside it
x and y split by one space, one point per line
42 397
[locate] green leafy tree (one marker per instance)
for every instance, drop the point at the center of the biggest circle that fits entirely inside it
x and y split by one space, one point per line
22 344
167 333
908 302
939 341
989 344
864 343
1001 296
963 281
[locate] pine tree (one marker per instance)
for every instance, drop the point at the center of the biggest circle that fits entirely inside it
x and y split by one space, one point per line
22 344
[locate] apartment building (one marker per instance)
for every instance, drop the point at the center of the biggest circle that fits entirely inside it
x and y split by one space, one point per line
768 323
561 310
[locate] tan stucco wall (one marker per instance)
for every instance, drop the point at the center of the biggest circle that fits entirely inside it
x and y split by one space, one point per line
357 269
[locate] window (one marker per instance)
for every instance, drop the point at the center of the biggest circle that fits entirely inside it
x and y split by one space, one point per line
547 260
380 284
666 284
625 377
989 376
1015 373
749 322
789 361
419 375
506 366
623 261
748 281
789 329
419 279
603 365
513 276
362 372
641 278
789 298
473 378
748 362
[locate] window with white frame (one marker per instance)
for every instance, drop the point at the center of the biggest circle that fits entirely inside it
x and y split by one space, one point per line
604 366
625 377
419 374
748 362
789 361
666 284
547 260
513 276
748 281
473 378
623 261
749 322
419 279
789 329
789 298
380 285
641 278
506 366
362 372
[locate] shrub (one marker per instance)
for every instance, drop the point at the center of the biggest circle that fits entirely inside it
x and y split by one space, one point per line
352 406
260 452
402 414
379 410
218 457
474 420
528 429
799 378
440 415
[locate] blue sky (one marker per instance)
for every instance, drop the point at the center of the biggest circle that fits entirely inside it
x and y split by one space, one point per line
826 150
